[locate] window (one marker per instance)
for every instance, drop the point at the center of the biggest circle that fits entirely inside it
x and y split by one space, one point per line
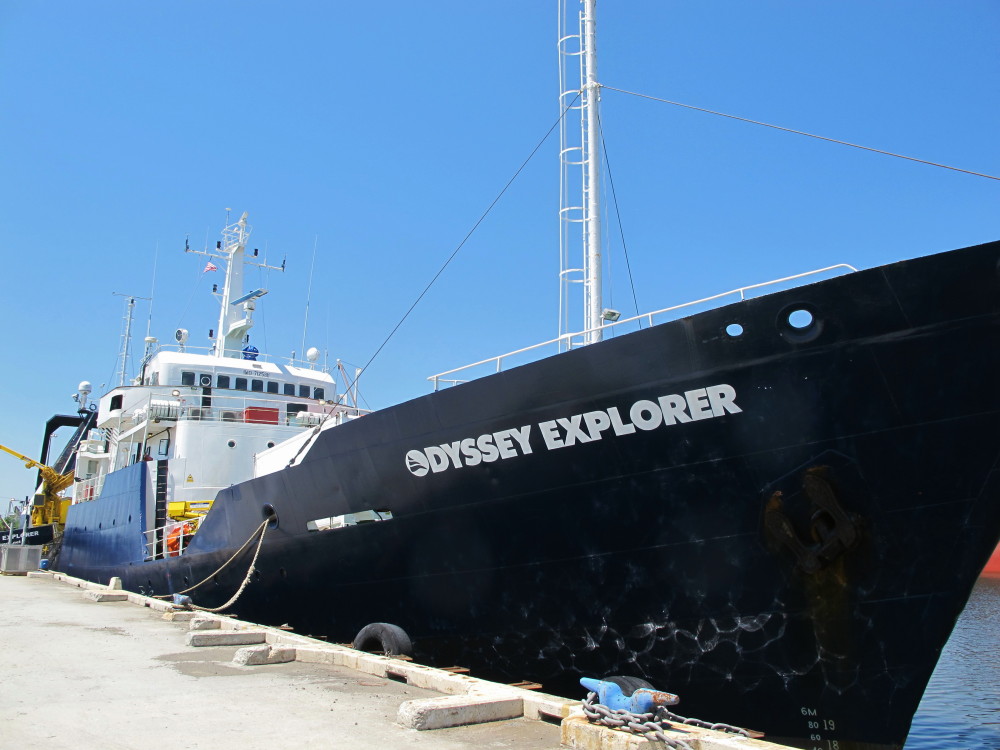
241 384
116 402
187 378
222 381
303 391
319 394
257 386
289 389
272 386
154 379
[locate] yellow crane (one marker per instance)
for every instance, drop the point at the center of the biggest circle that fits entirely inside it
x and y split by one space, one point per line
48 507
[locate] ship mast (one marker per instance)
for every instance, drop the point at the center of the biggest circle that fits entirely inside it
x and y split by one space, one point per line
580 162
233 321
236 313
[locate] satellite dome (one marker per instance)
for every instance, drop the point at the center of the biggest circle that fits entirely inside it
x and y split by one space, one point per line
312 354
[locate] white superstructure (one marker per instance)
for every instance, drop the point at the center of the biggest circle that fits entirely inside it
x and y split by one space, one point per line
203 417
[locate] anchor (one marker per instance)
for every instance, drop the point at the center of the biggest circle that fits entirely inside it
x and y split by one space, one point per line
833 530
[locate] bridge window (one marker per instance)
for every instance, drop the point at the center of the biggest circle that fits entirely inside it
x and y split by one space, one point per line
289 389
257 386
303 391
319 394
272 386
222 381
241 384
187 378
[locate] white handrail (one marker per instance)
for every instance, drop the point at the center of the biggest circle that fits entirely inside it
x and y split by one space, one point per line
569 337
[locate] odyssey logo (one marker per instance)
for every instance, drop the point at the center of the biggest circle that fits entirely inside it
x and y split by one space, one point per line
417 463
644 415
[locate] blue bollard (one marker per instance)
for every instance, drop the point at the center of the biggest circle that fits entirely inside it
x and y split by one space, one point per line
642 701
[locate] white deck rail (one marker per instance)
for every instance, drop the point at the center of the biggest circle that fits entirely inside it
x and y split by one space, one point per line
579 338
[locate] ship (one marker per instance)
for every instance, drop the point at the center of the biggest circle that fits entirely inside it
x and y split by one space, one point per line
776 509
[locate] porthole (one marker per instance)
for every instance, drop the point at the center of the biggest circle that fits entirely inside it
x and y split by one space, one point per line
800 319
231 443
734 330
270 443
799 323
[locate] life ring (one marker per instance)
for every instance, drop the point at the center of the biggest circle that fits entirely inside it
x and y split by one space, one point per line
174 538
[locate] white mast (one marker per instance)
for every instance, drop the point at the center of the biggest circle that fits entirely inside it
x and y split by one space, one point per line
234 322
236 313
580 225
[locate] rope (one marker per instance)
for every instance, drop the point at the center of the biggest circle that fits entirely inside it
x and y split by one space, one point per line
618 213
441 270
802 132
262 529
246 581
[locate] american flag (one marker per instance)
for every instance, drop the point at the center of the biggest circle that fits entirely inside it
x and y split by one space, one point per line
210 266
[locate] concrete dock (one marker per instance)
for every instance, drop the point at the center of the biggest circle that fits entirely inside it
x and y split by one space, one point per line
88 667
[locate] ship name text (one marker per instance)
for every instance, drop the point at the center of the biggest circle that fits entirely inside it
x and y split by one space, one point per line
644 415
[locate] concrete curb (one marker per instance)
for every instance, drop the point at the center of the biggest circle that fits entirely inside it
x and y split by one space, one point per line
458 710
578 732
253 656
225 638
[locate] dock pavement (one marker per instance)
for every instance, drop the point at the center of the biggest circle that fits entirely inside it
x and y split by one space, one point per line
88 666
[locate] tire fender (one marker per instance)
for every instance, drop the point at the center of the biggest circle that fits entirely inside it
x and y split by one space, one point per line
391 640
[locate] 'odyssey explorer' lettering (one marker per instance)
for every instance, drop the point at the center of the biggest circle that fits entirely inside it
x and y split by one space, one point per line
643 415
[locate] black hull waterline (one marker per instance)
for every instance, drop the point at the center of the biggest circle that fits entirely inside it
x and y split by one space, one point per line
781 526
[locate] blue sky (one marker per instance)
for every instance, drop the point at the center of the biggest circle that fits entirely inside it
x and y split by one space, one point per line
379 132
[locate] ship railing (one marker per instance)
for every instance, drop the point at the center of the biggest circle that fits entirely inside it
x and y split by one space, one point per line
623 325
289 361
159 540
244 409
88 489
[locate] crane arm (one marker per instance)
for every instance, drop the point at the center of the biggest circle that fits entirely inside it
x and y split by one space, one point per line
56 481
52 484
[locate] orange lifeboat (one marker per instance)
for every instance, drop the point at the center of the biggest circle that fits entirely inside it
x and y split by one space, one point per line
175 537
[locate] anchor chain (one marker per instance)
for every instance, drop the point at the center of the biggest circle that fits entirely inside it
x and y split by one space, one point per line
666 714
650 725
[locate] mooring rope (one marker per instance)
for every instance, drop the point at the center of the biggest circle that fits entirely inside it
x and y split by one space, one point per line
246 580
262 530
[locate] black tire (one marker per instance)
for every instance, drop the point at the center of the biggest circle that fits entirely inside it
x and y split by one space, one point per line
391 640
629 684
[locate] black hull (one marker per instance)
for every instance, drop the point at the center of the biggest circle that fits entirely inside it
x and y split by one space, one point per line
794 561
